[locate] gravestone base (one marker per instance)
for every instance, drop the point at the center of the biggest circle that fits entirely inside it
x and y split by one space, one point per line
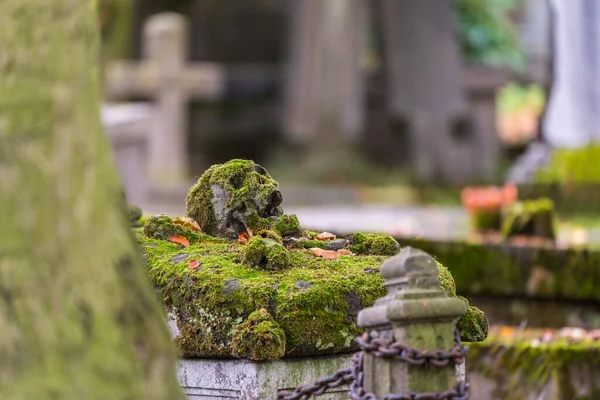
248 380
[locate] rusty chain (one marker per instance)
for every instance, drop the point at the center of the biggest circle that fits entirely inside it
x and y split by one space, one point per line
381 348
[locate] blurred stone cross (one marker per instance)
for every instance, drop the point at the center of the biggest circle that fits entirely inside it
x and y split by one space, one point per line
165 76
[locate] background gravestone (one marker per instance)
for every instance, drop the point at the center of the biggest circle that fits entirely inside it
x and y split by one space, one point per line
244 122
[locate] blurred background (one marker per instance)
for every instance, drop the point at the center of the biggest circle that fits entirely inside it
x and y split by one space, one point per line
406 96
355 102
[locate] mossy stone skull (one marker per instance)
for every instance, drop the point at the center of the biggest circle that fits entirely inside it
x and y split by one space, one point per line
234 197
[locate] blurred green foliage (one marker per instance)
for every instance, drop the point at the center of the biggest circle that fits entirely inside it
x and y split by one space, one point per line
573 166
487 35
514 97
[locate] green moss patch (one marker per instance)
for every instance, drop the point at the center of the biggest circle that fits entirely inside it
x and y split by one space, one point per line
531 218
501 269
368 243
521 365
259 338
266 254
240 187
313 300
308 301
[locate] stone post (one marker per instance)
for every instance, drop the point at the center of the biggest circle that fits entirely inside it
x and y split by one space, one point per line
417 313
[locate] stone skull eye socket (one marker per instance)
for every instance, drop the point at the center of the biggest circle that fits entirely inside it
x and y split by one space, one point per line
260 170
236 181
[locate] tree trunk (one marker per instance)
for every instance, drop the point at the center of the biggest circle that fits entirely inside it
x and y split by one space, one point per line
78 319
324 93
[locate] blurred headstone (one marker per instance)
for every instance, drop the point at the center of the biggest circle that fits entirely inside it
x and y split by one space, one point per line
573 114
127 126
166 77
425 88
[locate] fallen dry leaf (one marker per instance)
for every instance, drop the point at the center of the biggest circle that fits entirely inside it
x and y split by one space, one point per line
327 254
330 254
194 264
182 240
243 238
325 236
187 223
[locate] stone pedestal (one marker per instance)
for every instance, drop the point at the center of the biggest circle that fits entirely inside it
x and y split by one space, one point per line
247 380
127 126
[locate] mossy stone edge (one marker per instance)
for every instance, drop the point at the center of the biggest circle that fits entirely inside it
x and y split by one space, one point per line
314 301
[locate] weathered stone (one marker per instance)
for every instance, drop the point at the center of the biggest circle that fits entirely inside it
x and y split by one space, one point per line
420 314
204 378
303 284
233 198
336 245
230 286
179 258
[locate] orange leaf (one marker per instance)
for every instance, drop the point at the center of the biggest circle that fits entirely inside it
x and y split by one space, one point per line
344 252
325 236
243 238
194 264
182 240
187 223
327 254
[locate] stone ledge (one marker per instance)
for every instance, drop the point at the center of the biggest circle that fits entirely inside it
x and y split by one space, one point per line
532 365
545 272
247 380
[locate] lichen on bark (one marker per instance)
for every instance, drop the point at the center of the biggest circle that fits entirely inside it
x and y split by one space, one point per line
78 317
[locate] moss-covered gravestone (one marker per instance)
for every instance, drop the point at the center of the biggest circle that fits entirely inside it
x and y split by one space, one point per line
241 279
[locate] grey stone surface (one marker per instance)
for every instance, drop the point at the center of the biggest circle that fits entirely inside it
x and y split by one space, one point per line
303 284
231 285
232 216
417 313
336 244
247 380
126 126
179 258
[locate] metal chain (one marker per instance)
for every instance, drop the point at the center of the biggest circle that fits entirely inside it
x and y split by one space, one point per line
380 348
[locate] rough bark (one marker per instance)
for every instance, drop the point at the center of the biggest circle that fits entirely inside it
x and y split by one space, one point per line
78 319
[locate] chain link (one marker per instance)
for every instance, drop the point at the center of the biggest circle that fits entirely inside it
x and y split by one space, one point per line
381 348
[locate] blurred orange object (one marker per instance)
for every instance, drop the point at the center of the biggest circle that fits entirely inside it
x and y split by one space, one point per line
488 198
